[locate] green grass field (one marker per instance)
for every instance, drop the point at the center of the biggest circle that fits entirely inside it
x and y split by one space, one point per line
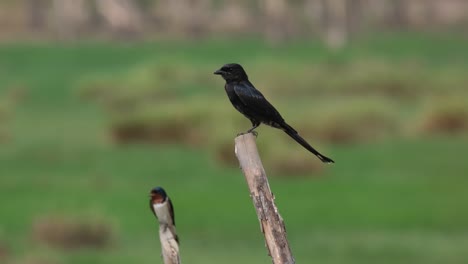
399 198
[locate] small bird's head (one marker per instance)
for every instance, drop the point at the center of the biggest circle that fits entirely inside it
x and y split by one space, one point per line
232 72
158 195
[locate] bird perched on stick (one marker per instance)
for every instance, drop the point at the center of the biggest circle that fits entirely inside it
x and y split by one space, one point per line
162 208
253 105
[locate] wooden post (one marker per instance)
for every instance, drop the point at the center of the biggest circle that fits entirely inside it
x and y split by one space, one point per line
169 245
271 223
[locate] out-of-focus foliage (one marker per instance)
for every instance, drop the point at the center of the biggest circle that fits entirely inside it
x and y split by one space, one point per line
339 101
111 98
93 127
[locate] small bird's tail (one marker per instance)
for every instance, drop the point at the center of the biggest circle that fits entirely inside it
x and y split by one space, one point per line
293 133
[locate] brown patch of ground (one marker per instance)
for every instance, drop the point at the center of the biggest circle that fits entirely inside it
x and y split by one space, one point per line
65 233
447 122
224 154
163 132
4 252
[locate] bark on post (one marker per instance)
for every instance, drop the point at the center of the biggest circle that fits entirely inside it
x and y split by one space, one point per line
271 223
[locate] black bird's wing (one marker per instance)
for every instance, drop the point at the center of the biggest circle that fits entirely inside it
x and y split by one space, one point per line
256 103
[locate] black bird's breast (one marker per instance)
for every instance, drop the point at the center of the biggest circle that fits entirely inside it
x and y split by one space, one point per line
235 100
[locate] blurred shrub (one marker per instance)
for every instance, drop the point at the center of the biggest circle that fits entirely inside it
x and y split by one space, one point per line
358 121
363 77
224 153
291 159
4 252
345 102
34 259
71 233
146 83
5 109
447 115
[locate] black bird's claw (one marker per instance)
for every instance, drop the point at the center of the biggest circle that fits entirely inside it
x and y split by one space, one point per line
255 133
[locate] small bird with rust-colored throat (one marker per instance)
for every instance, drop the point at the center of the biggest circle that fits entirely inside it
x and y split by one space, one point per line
252 104
162 208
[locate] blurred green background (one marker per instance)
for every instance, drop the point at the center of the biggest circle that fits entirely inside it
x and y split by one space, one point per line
98 106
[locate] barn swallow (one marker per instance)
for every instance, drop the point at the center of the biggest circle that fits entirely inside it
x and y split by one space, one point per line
162 208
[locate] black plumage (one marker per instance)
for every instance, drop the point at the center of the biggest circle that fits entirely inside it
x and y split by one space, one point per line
253 105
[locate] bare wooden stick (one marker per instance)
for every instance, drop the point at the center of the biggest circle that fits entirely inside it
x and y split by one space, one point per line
169 245
271 223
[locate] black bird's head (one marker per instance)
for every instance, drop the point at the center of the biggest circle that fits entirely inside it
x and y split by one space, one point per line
158 195
232 72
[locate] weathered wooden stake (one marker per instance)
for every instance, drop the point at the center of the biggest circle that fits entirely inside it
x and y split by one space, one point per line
271 223
169 246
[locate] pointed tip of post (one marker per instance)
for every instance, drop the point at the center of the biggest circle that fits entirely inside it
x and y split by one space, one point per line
245 146
246 140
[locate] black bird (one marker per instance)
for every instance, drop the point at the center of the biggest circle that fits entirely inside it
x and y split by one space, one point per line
253 105
162 208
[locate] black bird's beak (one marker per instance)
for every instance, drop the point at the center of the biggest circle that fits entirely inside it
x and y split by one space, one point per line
218 72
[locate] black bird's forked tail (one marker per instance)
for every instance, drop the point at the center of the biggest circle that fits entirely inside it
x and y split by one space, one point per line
293 133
